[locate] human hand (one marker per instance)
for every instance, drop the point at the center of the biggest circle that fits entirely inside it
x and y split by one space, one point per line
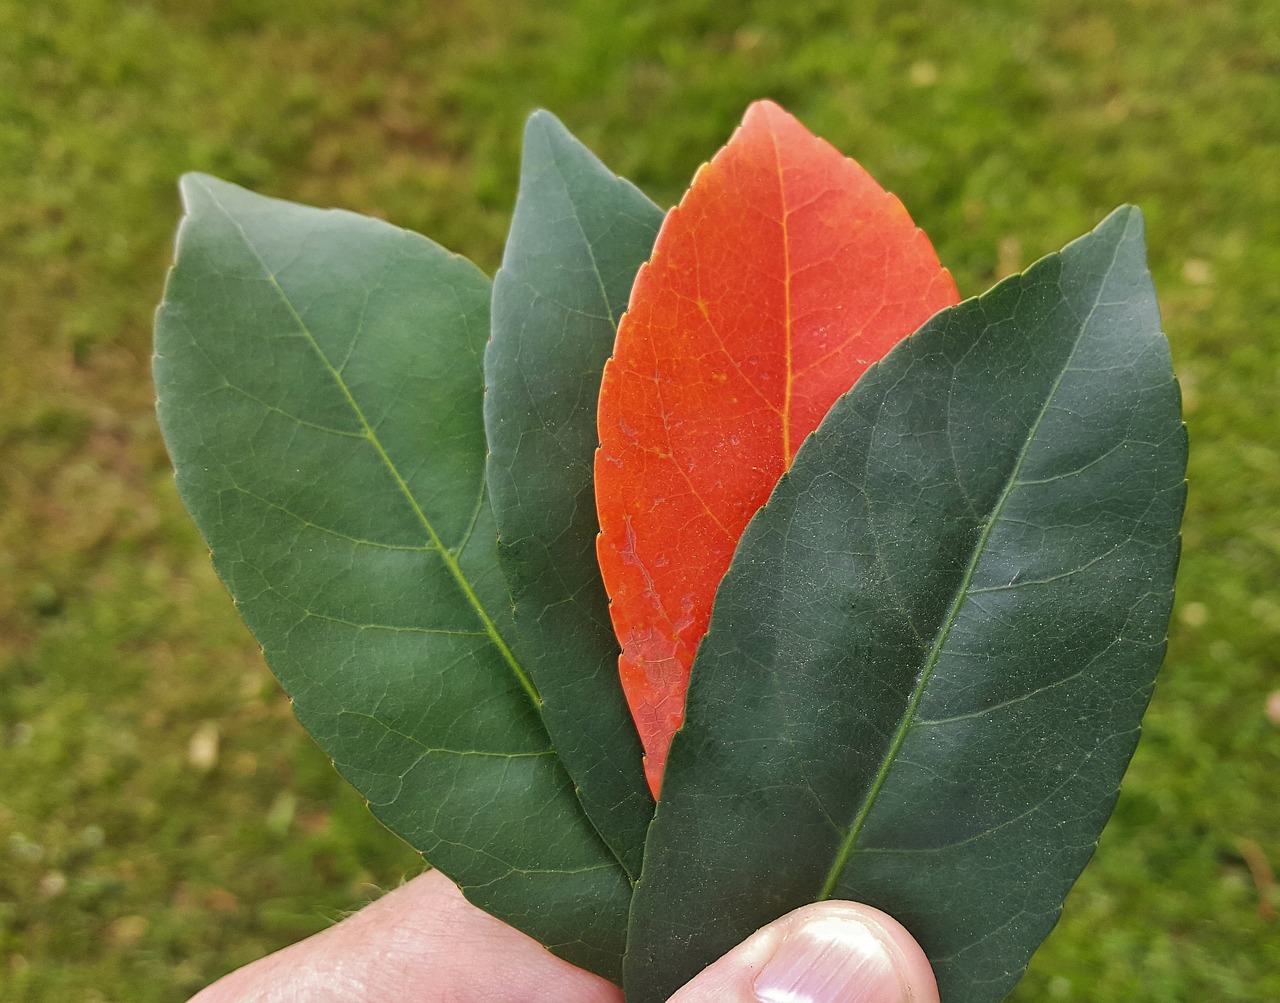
425 943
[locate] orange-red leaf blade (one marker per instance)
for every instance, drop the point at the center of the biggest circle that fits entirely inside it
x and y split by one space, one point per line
784 272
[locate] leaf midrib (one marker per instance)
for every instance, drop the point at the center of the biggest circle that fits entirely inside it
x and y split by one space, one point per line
962 594
448 558
586 242
788 323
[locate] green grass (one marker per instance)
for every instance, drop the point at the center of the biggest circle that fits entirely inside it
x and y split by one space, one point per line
1007 128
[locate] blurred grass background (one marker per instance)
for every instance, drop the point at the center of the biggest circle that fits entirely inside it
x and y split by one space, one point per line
164 819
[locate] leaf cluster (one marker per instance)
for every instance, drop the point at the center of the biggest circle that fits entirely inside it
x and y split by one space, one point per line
925 668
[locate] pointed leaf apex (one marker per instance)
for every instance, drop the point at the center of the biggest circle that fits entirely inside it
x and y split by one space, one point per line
191 186
543 120
767 109
1121 221
751 350
1123 229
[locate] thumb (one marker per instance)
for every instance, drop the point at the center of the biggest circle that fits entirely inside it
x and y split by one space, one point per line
829 952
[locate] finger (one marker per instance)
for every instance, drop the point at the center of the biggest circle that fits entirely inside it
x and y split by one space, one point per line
829 952
422 942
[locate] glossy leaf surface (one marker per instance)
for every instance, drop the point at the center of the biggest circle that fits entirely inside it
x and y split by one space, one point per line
578 236
320 384
926 668
783 273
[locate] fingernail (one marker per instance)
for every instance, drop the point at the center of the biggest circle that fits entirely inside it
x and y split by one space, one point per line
831 960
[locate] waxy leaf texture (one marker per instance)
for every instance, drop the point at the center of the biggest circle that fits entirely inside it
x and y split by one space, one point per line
927 665
784 272
577 238
320 386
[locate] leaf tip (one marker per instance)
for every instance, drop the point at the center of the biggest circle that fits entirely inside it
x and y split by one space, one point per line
768 111
1124 221
770 117
542 121
195 185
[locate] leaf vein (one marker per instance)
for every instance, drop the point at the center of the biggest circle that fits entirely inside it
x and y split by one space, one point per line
450 560
949 620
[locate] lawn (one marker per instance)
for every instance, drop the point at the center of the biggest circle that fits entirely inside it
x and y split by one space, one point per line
162 816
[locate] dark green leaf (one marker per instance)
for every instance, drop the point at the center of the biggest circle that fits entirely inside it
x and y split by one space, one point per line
578 236
320 388
927 665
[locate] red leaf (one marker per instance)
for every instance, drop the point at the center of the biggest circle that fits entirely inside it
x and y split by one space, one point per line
782 275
